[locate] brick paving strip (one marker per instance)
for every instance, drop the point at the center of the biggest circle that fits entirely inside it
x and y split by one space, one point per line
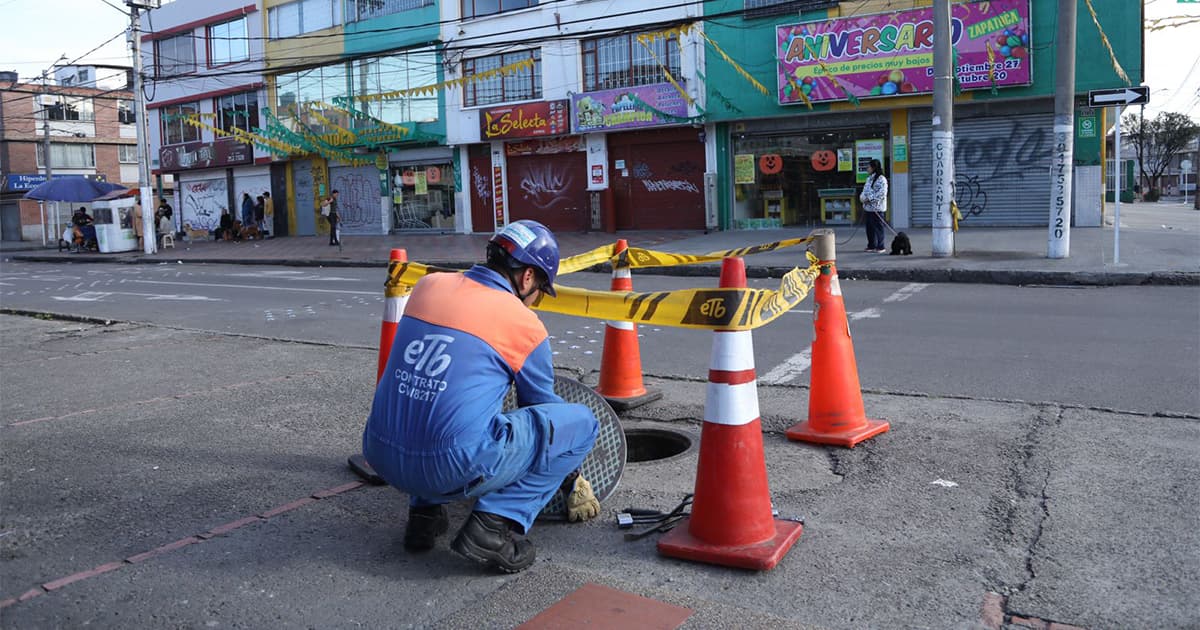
220 530
993 616
596 606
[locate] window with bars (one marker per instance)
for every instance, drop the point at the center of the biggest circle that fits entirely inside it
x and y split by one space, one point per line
174 55
174 130
480 8
368 9
237 111
227 42
59 107
127 153
63 155
125 112
622 61
523 85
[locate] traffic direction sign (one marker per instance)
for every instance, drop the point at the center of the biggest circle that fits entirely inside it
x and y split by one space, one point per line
1136 95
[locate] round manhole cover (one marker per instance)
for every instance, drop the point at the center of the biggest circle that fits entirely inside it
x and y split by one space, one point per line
648 445
606 462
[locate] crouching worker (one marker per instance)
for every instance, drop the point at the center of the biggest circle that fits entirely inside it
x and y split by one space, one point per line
436 429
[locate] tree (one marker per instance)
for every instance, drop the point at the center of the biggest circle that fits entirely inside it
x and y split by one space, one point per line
1158 140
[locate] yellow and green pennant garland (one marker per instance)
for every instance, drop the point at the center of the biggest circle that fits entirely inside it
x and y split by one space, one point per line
433 89
645 39
274 146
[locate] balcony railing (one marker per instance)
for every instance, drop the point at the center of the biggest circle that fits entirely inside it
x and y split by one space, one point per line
358 10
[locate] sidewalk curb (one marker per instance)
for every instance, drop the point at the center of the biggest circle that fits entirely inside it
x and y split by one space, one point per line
1011 277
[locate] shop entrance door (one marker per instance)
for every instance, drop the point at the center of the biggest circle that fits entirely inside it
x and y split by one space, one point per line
479 185
658 179
550 188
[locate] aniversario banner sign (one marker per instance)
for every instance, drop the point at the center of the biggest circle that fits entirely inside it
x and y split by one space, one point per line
892 53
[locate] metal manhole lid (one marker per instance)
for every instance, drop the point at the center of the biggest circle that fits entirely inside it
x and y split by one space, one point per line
604 466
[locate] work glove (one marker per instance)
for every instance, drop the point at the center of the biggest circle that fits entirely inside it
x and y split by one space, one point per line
581 502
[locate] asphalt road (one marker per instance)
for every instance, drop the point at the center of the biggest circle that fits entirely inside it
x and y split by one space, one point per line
154 477
1126 348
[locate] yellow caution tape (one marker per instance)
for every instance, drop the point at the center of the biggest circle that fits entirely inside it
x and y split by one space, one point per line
709 309
638 258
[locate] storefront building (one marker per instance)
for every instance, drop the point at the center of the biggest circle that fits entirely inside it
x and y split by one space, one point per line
848 84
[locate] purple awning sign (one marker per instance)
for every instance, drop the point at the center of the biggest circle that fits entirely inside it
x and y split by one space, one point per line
891 54
628 108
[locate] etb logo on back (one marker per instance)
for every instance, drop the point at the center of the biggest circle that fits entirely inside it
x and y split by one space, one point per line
428 354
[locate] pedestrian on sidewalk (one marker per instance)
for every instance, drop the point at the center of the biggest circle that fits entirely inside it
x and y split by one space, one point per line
247 209
437 430
260 209
268 214
334 218
874 202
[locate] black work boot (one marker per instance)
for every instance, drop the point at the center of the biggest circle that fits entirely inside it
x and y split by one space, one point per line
488 539
425 524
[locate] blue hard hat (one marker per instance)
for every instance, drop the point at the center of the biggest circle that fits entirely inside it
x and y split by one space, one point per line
533 244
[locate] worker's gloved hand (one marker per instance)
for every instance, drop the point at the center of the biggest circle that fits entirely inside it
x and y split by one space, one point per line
581 502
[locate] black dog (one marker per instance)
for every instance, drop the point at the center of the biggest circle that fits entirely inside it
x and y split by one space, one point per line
901 245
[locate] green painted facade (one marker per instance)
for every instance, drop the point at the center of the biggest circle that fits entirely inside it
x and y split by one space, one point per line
390 34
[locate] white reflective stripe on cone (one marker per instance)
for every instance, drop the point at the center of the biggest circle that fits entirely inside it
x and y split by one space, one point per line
732 351
393 308
621 325
733 405
622 273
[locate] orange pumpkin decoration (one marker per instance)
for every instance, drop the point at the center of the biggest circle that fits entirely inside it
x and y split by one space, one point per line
770 164
824 160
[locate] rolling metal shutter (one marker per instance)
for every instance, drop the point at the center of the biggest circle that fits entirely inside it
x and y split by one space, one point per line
1001 169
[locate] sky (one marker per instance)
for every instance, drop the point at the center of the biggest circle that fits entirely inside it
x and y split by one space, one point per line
1172 56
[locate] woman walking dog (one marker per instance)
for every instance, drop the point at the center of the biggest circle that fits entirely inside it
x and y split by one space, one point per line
874 200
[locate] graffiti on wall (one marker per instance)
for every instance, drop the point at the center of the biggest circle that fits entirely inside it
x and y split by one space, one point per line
358 199
483 188
203 203
547 185
643 173
990 160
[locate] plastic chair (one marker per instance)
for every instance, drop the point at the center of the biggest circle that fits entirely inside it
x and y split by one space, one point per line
167 238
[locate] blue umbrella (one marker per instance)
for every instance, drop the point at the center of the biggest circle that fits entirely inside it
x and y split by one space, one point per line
71 188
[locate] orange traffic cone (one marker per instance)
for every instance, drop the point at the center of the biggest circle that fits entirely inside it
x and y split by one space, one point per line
835 406
621 363
395 299
731 522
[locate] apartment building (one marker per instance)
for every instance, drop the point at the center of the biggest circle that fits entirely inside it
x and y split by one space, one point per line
91 133
203 63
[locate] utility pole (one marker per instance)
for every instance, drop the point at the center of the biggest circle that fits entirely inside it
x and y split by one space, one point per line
46 149
149 238
943 131
46 156
1058 242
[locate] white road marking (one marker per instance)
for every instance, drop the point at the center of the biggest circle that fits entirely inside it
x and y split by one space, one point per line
793 367
905 292
89 296
798 364
255 287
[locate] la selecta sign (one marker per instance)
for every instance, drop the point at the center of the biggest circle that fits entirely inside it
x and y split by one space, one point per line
527 120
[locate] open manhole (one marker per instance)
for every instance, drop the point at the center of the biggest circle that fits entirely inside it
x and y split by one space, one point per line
648 445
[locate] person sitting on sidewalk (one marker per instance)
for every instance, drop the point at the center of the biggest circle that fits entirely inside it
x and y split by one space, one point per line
437 430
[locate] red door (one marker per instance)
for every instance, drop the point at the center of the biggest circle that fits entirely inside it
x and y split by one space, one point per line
479 184
661 183
549 188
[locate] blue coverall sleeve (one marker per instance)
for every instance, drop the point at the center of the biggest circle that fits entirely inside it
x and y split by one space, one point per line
535 380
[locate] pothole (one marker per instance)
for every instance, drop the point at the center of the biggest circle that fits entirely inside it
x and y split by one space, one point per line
650 445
